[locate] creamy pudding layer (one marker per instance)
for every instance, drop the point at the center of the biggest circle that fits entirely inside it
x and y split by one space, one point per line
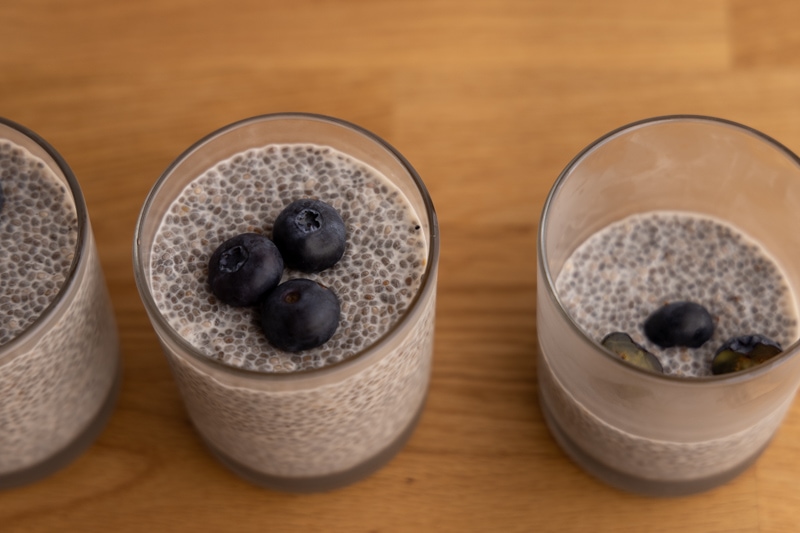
56 383
296 432
623 273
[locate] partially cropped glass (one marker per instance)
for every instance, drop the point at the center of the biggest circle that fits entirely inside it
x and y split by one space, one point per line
637 195
327 416
59 350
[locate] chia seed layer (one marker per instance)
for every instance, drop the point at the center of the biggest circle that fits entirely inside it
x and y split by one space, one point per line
275 427
38 233
624 272
55 384
620 275
375 280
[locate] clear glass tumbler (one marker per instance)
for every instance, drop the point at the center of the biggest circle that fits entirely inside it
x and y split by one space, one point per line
319 428
645 432
59 353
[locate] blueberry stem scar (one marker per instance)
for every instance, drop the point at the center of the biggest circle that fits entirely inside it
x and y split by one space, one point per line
233 259
308 220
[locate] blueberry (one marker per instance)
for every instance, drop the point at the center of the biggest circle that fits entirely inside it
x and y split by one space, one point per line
624 346
728 361
742 352
2 198
310 235
299 314
679 324
244 268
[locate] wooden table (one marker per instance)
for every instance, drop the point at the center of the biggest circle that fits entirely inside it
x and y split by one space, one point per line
489 100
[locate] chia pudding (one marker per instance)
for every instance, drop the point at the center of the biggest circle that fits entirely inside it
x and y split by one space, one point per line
618 277
375 281
325 416
58 344
621 274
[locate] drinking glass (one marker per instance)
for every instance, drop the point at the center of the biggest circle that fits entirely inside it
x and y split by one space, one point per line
315 429
637 430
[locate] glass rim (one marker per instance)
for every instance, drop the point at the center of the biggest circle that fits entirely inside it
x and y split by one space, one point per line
722 379
427 278
28 335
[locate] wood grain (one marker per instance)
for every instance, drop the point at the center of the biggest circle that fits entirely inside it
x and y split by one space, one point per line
489 99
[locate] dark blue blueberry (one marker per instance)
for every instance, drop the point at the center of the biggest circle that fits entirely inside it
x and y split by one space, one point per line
626 348
299 314
244 268
2 198
310 235
742 352
679 324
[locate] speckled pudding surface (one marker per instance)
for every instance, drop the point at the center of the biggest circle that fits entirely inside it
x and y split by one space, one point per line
309 429
38 232
57 386
375 280
624 272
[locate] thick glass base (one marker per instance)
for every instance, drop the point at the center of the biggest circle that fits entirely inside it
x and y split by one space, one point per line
70 452
638 485
326 482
